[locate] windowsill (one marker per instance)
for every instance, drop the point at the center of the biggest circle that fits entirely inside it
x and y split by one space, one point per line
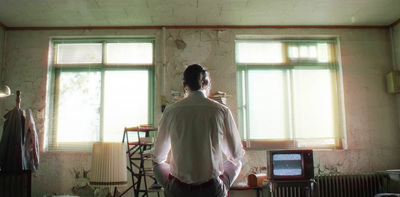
286 145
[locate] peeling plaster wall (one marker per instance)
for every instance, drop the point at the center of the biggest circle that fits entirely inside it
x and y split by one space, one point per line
371 114
396 46
396 59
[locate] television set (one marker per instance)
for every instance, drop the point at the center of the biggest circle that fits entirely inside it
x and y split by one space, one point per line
286 165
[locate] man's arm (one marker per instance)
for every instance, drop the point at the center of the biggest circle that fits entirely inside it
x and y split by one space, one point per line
231 144
162 144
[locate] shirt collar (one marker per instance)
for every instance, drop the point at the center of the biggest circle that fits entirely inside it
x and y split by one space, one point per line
198 93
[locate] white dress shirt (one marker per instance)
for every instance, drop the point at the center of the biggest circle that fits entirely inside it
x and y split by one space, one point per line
197 130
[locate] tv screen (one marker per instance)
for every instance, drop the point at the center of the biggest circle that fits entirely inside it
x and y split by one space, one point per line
287 164
290 164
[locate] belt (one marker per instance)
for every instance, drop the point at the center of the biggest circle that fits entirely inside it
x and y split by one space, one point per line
193 186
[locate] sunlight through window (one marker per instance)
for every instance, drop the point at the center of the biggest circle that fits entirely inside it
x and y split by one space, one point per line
99 88
297 103
259 53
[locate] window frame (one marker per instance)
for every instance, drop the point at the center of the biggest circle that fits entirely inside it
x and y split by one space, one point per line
56 69
243 97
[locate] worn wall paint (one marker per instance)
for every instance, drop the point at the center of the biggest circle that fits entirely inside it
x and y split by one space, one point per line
371 115
396 59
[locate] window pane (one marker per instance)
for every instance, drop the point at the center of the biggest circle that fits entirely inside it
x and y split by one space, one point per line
78 107
323 52
312 52
130 53
303 52
317 52
268 108
259 53
293 52
79 53
126 102
313 110
295 106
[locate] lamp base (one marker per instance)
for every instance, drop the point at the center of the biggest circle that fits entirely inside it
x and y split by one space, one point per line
103 192
109 194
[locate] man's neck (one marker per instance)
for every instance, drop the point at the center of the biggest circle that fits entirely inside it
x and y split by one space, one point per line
198 91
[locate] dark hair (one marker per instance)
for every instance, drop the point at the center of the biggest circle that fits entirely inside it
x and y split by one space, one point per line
195 76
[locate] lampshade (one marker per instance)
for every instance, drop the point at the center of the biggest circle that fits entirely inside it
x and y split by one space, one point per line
108 165
4 91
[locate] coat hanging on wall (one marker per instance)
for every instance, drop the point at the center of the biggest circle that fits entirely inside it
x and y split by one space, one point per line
19 146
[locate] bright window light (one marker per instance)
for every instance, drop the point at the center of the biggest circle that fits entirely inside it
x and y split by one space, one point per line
323 53
293 105
90 53
129 53
259 53
78 118
267 104
125 102
93 98
311 98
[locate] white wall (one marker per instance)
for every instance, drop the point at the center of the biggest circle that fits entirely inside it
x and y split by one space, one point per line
371 114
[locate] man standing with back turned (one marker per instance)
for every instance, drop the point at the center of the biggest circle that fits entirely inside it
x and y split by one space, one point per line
197 131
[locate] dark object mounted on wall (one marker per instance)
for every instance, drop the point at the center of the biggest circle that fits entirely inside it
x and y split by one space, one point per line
393 82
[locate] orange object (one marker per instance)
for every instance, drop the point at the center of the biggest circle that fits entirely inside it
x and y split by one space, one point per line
256 180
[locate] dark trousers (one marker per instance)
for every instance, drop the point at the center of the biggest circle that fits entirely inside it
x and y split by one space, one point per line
217 187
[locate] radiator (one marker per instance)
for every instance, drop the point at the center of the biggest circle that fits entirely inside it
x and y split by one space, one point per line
15 184
336 185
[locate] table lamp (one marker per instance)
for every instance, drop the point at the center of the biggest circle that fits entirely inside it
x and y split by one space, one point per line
108 165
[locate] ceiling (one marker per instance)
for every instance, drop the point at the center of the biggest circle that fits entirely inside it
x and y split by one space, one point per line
121 13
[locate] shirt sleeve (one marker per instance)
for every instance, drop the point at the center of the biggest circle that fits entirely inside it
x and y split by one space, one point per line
163 142
31 142
231 144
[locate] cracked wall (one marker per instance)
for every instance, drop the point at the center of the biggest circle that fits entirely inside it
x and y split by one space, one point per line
371 115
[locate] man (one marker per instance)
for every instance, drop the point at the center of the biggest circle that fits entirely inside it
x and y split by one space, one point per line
197 131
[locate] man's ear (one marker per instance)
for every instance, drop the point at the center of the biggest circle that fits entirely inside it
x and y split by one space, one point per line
185 86
204 82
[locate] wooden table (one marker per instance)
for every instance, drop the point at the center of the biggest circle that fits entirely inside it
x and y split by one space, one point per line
259 190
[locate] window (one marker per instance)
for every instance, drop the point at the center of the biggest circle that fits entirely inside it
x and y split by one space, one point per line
288 94
98 87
